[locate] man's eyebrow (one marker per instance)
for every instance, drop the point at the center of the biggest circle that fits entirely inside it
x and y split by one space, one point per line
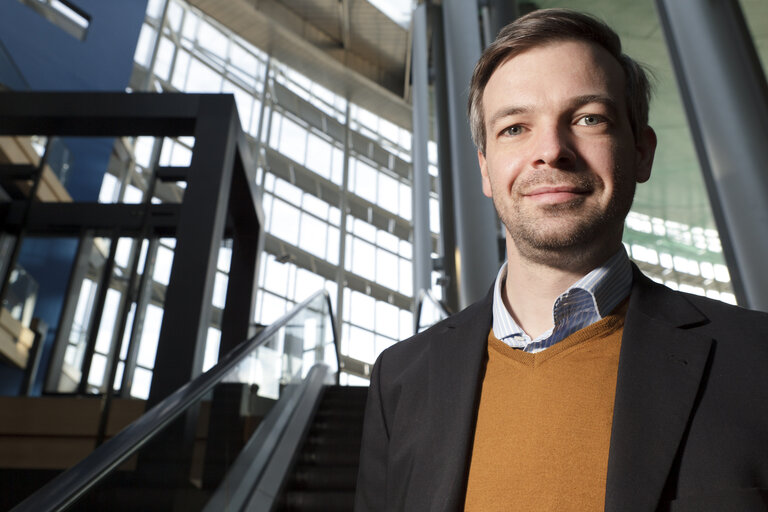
607 101
508 111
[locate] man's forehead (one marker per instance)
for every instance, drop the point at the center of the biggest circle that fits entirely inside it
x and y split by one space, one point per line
558 66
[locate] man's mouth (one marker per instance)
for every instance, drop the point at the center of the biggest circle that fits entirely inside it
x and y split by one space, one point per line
552 194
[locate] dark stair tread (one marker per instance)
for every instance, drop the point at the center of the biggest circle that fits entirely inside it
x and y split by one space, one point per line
324 478
326 501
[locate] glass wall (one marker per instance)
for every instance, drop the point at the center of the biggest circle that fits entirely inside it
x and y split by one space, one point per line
335 178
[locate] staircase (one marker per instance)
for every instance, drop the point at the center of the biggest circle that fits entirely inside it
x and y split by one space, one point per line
325 471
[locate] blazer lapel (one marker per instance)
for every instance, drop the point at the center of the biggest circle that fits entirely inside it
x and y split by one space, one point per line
660 371
456 367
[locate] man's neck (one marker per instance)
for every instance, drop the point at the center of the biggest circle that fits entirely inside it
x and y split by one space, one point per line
531 288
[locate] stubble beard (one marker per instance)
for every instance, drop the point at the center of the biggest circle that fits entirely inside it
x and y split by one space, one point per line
572 234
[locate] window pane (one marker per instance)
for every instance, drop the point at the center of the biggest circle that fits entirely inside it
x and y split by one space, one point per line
144 46
386 269
98 367
288 192
284 222
337 166
318 156
388 193
142 379
212 343
387 320
293 140
434 215
362 310
108 318
149 336
405 201
406 278
244 103
164 58
363 255
220 290
387 240
365 181
315 206
163 265
244 63
202 78
212 39
333 246
272 308
180 69
313 235
361 345
363 229
276 279
307 283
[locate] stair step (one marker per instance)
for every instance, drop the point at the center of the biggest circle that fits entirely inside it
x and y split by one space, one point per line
325 478
326 501
331 456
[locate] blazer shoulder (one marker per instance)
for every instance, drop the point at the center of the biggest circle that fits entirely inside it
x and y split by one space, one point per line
743 331
689 310
716 309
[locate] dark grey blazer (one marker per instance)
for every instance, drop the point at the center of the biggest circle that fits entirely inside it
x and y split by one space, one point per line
690 424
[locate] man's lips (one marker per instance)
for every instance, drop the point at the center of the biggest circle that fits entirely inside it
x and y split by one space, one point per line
555 193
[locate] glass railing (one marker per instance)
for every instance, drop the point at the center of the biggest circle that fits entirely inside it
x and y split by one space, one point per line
430 311
177 454
11 76
21 295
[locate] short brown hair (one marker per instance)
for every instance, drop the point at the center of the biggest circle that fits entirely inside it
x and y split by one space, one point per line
545 26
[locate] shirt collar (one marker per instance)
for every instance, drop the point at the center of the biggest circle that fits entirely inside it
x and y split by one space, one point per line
588 300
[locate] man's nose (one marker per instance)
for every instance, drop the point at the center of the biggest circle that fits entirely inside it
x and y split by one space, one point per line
553 148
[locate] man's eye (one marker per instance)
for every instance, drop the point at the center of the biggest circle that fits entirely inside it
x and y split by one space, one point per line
590 120
514 130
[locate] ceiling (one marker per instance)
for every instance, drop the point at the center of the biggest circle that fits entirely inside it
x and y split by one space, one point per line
348 46
352 48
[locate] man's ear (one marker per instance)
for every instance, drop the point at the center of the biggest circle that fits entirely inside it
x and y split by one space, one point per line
646 149
484 173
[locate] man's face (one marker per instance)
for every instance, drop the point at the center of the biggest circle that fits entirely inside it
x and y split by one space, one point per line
561 162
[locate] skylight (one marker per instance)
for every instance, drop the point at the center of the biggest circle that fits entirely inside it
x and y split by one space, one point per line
398 11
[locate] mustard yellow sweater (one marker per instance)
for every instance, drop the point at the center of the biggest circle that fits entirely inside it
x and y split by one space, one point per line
544 423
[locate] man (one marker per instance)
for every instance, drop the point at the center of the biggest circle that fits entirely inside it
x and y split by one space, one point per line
577 383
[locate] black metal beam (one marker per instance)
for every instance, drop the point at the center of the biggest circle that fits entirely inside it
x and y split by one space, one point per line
17 171
57 219
247 244
99 114
172 173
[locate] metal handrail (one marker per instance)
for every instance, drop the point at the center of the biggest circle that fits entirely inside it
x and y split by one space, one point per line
428 295
69 486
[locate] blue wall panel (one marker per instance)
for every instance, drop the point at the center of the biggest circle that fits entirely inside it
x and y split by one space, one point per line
48 58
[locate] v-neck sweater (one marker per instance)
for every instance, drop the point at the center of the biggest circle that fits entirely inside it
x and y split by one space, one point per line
544 423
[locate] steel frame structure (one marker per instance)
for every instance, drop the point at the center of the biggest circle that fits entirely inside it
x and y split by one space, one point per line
220 201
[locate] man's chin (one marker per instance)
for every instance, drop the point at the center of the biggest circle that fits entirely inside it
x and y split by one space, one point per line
557 234
572 253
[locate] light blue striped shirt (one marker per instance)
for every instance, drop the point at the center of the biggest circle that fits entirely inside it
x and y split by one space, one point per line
588 300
